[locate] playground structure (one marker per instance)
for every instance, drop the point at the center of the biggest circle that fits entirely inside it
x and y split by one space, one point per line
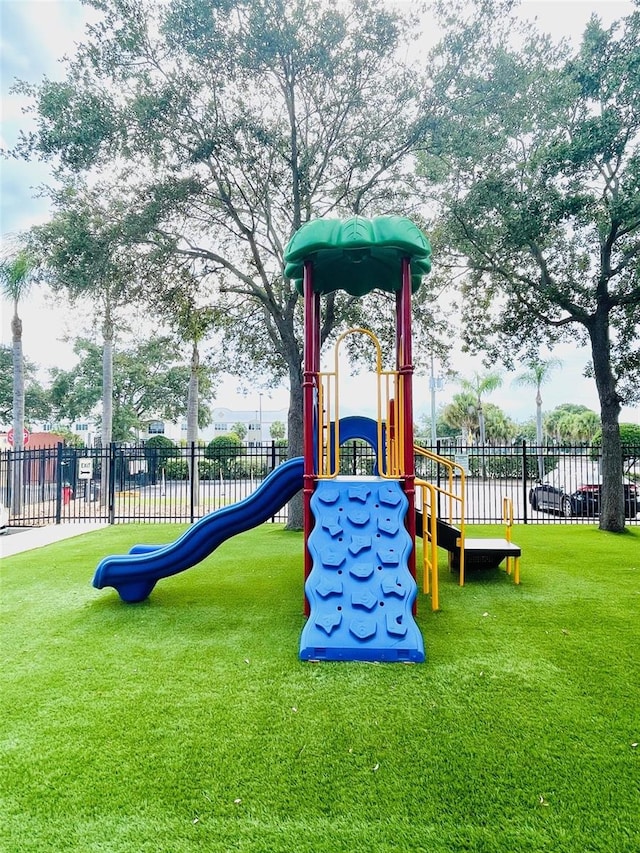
359 532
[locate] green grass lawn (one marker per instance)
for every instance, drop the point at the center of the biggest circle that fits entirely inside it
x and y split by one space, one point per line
188 723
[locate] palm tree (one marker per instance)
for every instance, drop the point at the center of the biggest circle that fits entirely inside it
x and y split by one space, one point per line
89 255
460 414
192 321
499 427
16 278
196 323
538 373
480 385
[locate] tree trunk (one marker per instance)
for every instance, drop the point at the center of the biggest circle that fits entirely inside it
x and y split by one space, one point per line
295 442
107 404
611 492
481 428
18 413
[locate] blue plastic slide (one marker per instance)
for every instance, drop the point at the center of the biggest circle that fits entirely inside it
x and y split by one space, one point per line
134 575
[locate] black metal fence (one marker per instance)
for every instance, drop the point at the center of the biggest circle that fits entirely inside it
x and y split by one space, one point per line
125 483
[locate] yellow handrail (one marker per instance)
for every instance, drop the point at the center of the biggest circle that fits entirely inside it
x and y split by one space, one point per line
388 388
429 542
507 518
451 496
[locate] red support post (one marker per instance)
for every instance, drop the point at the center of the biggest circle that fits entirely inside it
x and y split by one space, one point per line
405 369
311 359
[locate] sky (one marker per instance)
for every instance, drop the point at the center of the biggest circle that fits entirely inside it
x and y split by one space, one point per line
35 34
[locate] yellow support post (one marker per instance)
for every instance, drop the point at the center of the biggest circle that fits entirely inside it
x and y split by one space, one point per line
507 518
430 580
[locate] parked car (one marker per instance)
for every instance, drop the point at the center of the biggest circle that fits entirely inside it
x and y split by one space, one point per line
4 518
578 494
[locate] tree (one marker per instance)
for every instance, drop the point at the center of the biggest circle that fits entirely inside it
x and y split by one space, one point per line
277 431
444 430
235 123
526 431
223 451
462 414
542 202
192 321
630 441
537 374
149 381
16 278
87 255
478 386
499 427
240 430
158 450
572 422
37 403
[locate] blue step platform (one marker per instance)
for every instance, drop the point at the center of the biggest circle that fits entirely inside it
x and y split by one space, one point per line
360 589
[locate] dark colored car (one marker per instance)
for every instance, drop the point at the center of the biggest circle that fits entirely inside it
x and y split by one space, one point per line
581 498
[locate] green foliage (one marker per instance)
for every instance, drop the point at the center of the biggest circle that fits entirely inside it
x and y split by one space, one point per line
629 436
277 431
37 400
542 202
85 247
223 452
240 430
572 423
70 438
217 129
630 442
353 461
498 466
462 417
148 381
159 452
64 110
498 426
538 373
161 444
461 414
17 274
178 469
526 431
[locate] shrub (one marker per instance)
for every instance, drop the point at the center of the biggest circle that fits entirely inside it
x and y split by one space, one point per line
157 451
223 451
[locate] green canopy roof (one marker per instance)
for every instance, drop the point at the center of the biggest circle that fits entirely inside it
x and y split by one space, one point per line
358 255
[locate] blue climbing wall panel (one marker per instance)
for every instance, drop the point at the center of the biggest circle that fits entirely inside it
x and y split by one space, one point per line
360 589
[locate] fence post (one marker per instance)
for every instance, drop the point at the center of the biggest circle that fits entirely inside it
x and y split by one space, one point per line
110 461
273 454
193 481
6 486
525 496
59 482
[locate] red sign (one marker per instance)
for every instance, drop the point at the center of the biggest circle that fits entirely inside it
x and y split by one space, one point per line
25 437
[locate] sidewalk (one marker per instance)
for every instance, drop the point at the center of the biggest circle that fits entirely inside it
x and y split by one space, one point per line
17 540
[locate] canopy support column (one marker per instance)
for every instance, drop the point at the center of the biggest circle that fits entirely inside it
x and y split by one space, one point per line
310 404
404 357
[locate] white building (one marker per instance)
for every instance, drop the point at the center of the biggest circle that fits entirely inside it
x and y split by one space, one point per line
257 423
86 429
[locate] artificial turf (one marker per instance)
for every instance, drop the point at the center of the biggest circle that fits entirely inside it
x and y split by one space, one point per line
188 722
